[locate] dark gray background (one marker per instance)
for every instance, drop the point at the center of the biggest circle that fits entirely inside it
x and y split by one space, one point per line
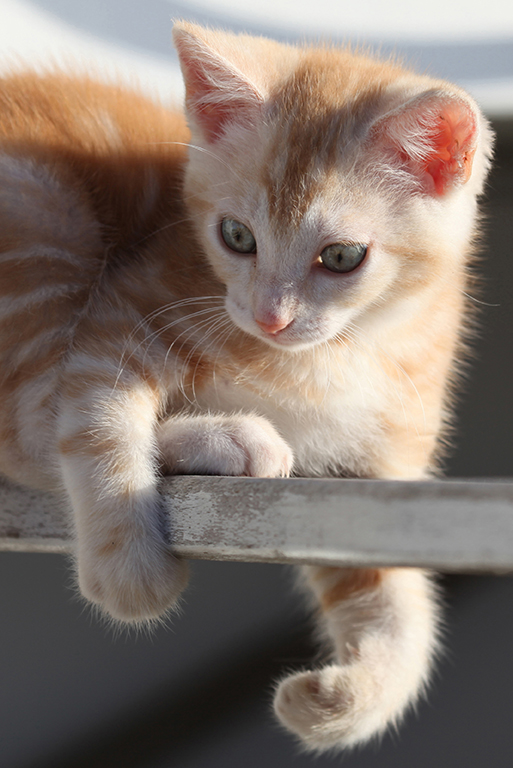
197 694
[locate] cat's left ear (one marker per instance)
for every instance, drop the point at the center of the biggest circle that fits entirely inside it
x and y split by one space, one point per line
217 92
434 136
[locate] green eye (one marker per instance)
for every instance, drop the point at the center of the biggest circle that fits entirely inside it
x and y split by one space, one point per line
237 236
343 257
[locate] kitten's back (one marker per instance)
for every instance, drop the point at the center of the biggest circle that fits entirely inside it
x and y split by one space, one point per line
87 171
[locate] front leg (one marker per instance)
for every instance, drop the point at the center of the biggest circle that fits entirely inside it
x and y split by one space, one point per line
108 460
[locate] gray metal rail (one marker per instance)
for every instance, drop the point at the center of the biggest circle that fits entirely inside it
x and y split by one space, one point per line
446 525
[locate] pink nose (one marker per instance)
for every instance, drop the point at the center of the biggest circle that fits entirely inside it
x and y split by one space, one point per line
274 327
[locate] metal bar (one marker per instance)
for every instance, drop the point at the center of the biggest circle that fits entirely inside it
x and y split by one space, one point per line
446 525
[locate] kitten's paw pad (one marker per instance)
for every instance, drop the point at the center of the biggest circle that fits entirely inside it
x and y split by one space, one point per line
333 707
224 445
134 584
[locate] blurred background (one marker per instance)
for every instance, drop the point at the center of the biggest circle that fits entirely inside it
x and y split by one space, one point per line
197 694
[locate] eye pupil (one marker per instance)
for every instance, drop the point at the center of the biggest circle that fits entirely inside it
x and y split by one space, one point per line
237 236
343 257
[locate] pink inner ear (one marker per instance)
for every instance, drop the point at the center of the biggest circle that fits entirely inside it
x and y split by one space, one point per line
451 147
210 114
215 93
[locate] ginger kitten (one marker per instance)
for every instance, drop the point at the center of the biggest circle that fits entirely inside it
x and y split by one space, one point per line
284 295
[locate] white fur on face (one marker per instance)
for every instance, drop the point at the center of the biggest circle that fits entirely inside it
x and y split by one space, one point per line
284 279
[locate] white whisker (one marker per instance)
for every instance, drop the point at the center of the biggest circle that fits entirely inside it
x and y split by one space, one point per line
150 337
192 146
478 301
219 325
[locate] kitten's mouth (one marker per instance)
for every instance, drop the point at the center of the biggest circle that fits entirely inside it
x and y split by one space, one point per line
277 331
276 334
283 339
278 339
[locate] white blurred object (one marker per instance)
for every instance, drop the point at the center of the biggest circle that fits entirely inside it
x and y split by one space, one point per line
459 20
468 42
29 35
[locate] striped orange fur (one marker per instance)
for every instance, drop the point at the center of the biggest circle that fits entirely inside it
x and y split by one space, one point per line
273 284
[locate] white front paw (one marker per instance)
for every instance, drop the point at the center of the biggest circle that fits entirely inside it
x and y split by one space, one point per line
132 580
224 445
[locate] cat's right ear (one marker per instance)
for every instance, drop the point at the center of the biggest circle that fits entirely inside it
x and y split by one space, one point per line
217 92
433 137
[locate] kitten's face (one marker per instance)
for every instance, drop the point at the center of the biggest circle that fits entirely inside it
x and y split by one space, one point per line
328 190
293 279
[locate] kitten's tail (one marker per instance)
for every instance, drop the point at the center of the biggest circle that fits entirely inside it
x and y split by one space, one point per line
383 625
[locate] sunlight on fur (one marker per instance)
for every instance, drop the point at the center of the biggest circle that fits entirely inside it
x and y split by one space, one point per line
275 284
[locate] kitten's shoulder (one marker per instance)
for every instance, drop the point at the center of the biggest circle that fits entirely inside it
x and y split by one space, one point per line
110 147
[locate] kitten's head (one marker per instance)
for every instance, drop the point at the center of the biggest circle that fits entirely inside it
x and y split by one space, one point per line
328 189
